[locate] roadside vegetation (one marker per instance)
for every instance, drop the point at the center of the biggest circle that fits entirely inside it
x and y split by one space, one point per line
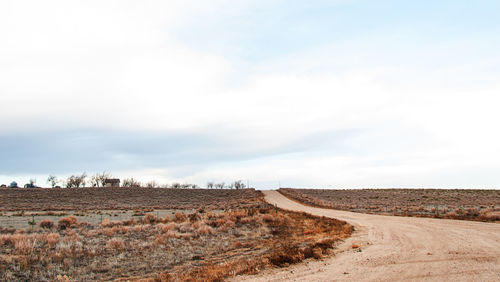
237 233
479 205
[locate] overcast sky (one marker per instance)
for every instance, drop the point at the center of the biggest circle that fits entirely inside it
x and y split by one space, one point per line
341 94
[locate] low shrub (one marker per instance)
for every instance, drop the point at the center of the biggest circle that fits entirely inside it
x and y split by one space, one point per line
149 218
67 222
170 226
179 217
204 230
287 255
46 223
194 217
115 244
52 239
186 227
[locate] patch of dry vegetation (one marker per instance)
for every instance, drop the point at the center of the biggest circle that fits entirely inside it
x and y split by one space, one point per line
479 205
204 245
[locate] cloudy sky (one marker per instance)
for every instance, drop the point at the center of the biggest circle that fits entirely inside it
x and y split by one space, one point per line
342 94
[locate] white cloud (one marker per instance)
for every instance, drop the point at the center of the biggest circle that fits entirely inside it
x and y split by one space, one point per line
115 65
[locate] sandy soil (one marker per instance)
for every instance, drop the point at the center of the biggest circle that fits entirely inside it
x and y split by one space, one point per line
398 249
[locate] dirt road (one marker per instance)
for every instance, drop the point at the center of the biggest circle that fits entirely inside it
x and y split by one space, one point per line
398 249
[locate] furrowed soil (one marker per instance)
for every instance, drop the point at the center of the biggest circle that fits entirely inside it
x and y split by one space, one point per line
121 198
392 248
468 204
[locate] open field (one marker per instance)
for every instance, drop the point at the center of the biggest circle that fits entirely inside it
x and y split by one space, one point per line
481 205
196 242
395 248
122 198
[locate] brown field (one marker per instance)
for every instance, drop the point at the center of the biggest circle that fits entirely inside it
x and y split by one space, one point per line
121 198
182 240
480 205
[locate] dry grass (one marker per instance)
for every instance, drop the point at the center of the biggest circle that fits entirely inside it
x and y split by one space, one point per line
179 217
66 222
52 239
48 224
115 244
205 246
480 205
222 234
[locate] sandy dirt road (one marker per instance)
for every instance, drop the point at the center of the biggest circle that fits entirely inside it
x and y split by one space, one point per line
398 249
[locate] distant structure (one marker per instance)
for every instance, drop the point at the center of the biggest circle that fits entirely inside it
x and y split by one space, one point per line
13 184
112 182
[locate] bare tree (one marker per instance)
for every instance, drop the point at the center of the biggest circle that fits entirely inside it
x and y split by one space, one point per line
131 182
98 179
220 185
176 185
238 184
74 181
152 184
94 180
52 179
210 185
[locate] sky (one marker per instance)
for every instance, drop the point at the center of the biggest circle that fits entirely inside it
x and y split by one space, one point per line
319 94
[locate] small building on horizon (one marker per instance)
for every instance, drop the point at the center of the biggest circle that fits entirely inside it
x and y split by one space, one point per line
112 182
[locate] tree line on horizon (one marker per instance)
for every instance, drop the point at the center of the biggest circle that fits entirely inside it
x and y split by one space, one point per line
99 180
